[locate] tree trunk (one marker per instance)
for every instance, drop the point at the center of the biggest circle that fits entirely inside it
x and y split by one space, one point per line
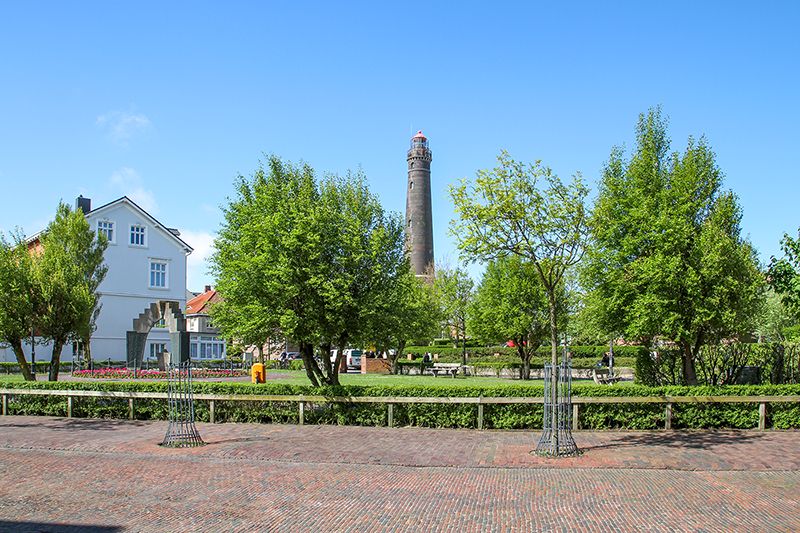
307 353
525 370
87 351
400 347
689 372
464 347
55 359
333 373
24 367
551 304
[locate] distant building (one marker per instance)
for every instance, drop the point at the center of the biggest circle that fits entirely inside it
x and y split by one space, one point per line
419 215
146 263
205 342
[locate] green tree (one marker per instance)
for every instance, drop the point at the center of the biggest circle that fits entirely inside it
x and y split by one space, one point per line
668 258
511 304
70 269
406 310
21 298
775 321
784 273
454 293
527 211
304 258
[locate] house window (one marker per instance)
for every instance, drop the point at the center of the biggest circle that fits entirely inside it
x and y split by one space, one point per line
206 347
106 227
137 235
156 348
158 274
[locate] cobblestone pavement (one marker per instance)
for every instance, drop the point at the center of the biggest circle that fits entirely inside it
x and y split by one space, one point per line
61 475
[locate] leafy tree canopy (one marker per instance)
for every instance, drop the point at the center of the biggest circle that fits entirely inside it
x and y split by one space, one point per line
668 258
70 269
527 211
784 273
511 304
307 259
20 301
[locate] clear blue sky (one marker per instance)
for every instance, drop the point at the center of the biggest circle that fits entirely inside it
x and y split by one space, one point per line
168 102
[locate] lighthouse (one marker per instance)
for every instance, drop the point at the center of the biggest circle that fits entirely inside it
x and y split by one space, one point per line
419 217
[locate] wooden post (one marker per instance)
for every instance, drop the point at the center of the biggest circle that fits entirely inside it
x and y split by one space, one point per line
480 413
668 416
390 414
130 408
575 413
5 404
302 412
69 406
211 405
762 416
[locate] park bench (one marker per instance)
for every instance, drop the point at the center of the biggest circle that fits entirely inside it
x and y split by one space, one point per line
439 368
601 376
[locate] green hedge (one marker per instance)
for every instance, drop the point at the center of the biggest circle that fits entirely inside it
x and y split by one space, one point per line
513 362
41 367
592 416
448 353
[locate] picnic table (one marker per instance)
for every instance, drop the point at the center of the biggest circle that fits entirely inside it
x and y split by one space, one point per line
445 368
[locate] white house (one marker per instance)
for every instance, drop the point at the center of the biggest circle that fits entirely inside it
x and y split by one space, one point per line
204 340
146 262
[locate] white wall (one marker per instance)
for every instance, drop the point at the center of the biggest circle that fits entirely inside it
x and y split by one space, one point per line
125 291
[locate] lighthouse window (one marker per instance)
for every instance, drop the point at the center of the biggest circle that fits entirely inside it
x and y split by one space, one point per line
409 222
411 185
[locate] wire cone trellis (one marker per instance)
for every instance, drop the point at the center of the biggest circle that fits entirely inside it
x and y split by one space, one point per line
181 432
556 439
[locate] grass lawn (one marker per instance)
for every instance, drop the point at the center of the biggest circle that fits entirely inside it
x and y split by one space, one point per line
299 378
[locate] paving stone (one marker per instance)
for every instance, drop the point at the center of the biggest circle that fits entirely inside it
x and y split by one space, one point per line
110 475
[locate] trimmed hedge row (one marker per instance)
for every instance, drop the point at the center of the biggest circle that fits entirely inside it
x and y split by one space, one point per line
592 416
513 362
543 352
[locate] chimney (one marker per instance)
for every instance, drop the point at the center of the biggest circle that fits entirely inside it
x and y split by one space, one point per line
84 204
208 288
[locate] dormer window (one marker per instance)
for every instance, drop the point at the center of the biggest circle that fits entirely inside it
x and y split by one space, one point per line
138 234
106 227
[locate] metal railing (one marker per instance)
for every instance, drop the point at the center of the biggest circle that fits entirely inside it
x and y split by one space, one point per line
390 401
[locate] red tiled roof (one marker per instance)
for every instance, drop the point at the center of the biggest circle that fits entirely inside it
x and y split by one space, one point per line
199 304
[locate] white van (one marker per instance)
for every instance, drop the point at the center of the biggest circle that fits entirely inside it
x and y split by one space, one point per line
352 358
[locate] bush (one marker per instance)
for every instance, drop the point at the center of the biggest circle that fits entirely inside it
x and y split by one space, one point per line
721 364
513 416
587 355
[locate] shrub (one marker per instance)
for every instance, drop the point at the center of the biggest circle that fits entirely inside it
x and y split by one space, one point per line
512 416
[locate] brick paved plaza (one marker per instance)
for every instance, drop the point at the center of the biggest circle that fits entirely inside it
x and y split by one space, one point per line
105 475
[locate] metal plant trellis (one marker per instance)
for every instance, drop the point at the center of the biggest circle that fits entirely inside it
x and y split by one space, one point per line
556 439
181 432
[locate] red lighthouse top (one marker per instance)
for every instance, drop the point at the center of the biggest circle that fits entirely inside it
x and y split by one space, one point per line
419 135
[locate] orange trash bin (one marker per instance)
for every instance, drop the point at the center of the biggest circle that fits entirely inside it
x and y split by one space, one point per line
258 373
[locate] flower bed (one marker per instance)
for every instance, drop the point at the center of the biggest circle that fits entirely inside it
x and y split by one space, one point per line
124 373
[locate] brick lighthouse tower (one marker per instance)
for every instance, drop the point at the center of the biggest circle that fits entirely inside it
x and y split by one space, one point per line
419 217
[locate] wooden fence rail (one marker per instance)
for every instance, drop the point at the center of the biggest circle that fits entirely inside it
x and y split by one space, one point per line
390 401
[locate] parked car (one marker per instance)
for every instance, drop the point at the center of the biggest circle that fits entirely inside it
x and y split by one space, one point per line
352 357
